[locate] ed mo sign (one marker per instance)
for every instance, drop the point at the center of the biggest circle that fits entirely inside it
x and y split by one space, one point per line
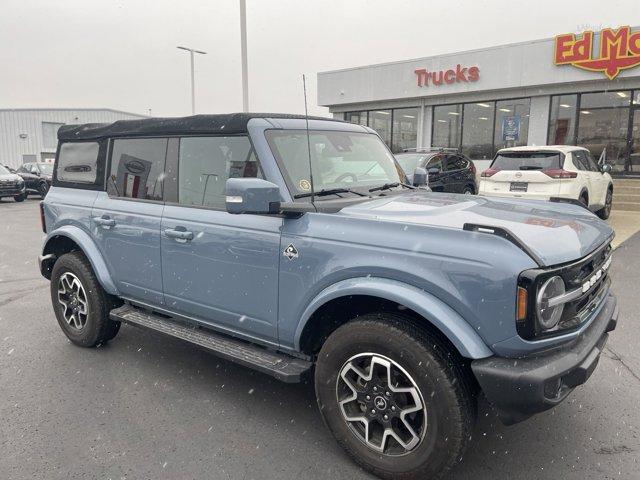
619 50
459 75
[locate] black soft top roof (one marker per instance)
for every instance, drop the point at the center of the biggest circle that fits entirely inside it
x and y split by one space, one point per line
231 123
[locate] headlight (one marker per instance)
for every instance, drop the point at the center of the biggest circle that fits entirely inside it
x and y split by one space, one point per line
549 315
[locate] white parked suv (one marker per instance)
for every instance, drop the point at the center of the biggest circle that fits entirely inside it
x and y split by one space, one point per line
550 172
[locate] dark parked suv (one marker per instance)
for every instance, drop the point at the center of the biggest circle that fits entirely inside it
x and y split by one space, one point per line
449 171
36 176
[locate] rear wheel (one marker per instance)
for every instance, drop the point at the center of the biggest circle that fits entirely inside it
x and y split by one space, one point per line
80 304
605 211
394 397
468 190
20 198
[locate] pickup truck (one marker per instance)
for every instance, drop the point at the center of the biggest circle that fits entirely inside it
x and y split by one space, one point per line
295 246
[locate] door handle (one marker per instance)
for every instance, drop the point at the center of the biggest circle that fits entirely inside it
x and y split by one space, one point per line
179 234
105 222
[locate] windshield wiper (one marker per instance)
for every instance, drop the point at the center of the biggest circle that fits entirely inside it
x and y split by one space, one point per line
329 191
389 186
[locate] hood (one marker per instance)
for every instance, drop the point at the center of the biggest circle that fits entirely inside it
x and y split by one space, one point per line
554 232
10 176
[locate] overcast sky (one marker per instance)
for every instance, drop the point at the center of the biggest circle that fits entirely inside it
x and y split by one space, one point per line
122 53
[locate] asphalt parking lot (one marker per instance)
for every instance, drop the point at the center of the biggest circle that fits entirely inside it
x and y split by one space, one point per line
146 406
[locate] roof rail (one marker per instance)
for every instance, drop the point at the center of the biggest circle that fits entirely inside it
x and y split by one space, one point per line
430 149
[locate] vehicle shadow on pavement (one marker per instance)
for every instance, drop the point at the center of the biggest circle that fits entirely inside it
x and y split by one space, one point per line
576 437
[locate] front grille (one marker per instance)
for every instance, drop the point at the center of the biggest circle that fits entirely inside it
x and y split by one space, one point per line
575 275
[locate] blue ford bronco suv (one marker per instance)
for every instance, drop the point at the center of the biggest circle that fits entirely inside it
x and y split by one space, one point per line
294 246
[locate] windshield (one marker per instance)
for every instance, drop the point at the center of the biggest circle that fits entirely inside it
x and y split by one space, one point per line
526 161
3 170
46 168
409 161
346 160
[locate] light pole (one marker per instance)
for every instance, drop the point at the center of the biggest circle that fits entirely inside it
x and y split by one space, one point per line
193 82
243 55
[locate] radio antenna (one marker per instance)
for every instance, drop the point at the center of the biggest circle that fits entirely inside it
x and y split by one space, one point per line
306 118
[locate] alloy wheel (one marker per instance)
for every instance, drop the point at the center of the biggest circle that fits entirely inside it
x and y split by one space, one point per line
72 297
381 404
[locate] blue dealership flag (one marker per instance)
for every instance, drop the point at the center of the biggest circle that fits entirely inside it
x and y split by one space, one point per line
511 128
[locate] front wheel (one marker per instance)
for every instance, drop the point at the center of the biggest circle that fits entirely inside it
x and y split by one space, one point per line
79 302
43 188
20 198
394 397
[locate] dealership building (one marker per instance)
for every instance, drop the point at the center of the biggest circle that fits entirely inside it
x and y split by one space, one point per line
574 89
30 135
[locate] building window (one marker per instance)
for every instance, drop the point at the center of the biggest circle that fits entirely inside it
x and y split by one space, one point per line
405 129
477 130
562 120
380 121
604 123
137 168
360 118
512 123
50 134
447 126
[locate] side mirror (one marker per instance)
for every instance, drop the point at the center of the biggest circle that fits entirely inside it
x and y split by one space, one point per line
606 168
433 170
252 195
420 177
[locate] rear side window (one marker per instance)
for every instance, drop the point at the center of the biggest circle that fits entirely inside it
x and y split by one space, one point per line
527 161
205 164
138 168
78 163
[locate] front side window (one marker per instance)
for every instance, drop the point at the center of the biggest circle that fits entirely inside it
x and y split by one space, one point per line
205 164
46 168
580 160
78 162
138 168
338 159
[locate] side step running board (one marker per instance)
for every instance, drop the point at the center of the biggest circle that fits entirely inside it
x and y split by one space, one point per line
279 365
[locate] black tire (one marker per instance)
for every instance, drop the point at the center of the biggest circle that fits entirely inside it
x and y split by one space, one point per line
468 190
43 188
97 328
20 198
584 200
605 211
438 375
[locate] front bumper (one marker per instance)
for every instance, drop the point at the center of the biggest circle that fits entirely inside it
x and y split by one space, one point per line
11 191
519 388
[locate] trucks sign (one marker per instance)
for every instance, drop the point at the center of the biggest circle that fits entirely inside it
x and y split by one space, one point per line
619 50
